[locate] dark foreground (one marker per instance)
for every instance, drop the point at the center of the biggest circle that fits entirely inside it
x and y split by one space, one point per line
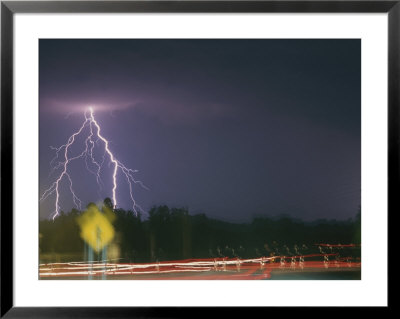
354 274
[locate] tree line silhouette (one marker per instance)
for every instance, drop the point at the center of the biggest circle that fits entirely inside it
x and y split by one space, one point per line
173 234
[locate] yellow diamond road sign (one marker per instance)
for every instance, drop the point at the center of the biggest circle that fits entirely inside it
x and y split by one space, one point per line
96 229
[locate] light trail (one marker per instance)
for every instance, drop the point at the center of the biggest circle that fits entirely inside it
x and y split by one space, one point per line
90 143
257 268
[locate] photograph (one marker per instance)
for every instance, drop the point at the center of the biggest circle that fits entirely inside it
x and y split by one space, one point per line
199 159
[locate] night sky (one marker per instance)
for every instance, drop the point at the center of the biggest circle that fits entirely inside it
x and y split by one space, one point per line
230 128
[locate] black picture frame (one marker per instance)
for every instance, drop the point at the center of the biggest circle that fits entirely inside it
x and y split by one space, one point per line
9 8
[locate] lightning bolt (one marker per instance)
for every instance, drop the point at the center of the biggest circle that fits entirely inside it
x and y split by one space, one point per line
93 139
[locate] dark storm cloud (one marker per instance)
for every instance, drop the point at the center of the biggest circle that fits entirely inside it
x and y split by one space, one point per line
232 128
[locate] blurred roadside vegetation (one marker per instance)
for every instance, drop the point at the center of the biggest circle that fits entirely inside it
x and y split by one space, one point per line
173 234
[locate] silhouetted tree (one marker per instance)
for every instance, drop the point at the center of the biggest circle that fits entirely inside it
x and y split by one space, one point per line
172 233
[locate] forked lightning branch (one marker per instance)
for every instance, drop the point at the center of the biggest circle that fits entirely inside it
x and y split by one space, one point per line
63 159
